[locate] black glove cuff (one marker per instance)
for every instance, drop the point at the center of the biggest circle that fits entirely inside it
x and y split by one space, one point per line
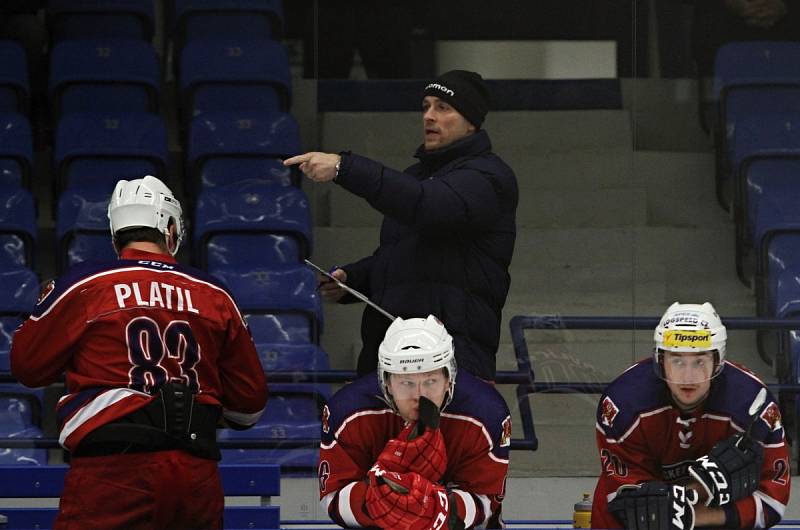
732 516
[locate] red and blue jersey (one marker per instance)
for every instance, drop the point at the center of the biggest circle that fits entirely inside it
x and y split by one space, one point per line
642 436
120 330
357 424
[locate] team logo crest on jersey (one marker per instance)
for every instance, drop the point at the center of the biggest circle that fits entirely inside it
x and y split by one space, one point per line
609 412
772 417
46 290
505 436
326 415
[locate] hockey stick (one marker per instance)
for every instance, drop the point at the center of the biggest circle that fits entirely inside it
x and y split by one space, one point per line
350 290
755 410
428 417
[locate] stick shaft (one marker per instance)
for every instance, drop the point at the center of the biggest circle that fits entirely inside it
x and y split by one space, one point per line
350 290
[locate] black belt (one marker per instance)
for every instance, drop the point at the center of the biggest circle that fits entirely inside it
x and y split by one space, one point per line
170 421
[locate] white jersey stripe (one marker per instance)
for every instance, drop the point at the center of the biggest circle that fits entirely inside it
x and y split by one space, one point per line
776 505
345 511
242 418
469 507
759 523
93 408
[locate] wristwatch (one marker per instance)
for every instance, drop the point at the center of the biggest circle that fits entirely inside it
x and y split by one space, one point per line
338 166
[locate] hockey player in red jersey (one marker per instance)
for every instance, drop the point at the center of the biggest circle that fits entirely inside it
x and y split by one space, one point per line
156 356
688 439
386 462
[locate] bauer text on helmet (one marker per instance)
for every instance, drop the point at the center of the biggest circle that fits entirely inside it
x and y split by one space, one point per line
416 346
145 203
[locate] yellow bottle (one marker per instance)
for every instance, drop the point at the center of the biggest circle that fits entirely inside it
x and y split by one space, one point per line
582 517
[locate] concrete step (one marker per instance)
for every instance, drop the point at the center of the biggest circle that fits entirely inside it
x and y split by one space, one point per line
581 169
376 134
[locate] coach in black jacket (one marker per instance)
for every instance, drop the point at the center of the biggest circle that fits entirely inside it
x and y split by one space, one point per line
448 231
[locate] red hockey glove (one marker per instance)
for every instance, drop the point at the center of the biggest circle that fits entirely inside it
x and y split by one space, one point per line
425 454
406 501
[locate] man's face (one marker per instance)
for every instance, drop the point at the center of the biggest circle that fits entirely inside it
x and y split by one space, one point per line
407 388
442 124
688 376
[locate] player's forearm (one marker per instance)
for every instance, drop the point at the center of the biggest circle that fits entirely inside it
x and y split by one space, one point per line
705 516
472 509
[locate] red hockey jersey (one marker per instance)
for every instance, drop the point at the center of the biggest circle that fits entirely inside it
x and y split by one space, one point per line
121 329
642 436
476 427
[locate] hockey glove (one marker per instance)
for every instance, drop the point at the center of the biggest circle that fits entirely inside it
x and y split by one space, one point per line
654 506
406 501
730 471
426 454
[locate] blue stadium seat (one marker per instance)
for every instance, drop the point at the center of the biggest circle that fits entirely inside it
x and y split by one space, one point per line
16 150
88 19
292 413
252 223
20 417
19 290
214 19
17 227
95 149
104 75
14 87
283 303
777 247
743 71
767 178
233 74
755 143
225 147
82 227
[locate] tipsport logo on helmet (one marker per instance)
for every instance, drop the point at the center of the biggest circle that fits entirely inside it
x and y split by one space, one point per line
687 339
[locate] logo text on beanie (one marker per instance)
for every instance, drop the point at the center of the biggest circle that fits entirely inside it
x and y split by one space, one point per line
443 88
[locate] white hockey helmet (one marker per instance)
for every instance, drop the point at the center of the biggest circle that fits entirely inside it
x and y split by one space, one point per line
414 346
690 328
145 203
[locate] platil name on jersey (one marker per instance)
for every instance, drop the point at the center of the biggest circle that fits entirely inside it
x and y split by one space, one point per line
154 294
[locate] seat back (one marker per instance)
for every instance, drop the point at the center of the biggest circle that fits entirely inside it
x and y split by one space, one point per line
231 146
285 299
14 87
17 227
87 19
82 227
120 136
104 75
16 150
234 75
249 208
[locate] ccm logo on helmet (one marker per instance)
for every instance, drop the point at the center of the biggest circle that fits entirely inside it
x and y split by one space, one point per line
411 361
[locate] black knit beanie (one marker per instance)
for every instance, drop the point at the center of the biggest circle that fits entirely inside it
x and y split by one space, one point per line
465 91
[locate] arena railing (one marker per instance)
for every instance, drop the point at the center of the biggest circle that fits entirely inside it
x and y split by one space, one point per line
521 323
524 377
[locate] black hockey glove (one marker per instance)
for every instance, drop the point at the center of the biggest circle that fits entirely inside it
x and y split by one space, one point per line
654 506
730 471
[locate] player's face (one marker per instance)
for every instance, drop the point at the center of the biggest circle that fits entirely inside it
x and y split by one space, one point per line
442 124
407 388
688 376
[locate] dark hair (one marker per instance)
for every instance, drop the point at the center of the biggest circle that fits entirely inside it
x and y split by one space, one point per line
141 233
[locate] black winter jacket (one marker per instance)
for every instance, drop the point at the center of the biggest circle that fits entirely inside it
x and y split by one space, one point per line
445 246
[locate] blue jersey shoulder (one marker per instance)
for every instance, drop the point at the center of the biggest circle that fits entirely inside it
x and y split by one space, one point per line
636 390
732 394
481 401
362 394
